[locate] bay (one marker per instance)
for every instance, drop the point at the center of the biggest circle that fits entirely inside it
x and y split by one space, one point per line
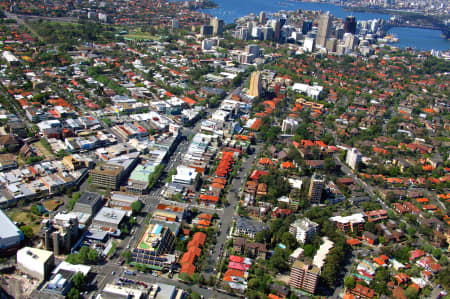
416 38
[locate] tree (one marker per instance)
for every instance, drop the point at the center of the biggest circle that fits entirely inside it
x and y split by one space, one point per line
308 250
93 256
444 278
185 277
411 293
27 231
437 253
127 256
349 282
278 261
402 254
79 281
35 210
370 227
73 293
289 240
136 206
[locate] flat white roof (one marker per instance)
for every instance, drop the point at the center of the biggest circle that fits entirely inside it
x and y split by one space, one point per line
73 268
7 228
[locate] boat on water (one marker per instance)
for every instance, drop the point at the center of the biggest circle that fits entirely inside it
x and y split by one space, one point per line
390 38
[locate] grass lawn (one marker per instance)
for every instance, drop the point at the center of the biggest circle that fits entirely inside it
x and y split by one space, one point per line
22 216
42 149
139 35
52 204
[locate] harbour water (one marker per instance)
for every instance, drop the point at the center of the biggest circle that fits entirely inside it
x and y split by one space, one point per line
416 38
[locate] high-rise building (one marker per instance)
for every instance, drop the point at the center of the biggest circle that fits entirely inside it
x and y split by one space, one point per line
309 44
206 30
262 17
175 24
218 25
350 41
350 25
304 276
324 30
316 188
306 26
267 33
255 85
253 49
331 44
353 158
242 33
276 26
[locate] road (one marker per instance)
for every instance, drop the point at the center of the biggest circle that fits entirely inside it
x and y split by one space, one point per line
368 188
105 276
105 272
229 210
22 22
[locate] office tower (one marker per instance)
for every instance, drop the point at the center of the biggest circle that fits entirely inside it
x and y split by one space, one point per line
206 44
339 33
253 49
324 30
175 24
256 32
309 44
276 26
267 33
218 25
350 25
262 17
307 26
206 30
304 276
316 188
331 44
353 158
350 41
255 85
242 33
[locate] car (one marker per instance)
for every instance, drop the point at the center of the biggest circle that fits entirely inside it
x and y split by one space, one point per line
113 272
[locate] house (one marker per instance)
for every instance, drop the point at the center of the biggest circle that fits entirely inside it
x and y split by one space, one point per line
252 249
376 216
370 238
362 291
208 200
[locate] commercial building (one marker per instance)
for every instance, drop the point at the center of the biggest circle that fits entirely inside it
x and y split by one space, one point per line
304 276
255 85
303 229
89 203
185 175
108 218
122 201
218 25
107 176
324 31
60 236
37 263
353 158
154 247
10 234
350 25
111 174
60 281
206 30
111 291
315 189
